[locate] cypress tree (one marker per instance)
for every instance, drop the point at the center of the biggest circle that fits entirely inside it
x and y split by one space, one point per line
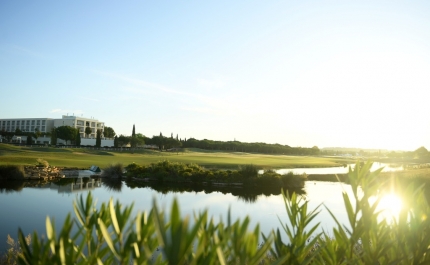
78 138
29 139
99 138
133 137
54 136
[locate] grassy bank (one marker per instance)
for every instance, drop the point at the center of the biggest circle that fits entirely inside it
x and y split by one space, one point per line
82 157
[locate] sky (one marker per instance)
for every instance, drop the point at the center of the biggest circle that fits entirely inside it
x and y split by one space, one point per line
297 73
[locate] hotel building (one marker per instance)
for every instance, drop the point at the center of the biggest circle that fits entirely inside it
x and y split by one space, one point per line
45 125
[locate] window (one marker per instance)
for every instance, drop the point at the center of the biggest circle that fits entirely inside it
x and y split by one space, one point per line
28 122
38 122
32 122
43 128
43 122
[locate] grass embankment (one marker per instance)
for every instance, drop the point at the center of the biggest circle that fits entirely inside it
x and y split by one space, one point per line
83 157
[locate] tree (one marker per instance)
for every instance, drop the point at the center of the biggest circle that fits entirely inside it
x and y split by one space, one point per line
99 138
133 140
18 131
54 136
421 152
37 133
88 131
115 141
29 139
123 140
78 138
109 132
140 138
66 133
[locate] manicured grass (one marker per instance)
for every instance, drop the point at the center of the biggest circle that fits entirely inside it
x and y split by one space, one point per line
82 157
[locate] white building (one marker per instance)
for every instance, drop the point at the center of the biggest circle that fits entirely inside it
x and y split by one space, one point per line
45 125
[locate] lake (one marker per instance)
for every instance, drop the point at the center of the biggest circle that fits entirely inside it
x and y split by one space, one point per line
27 207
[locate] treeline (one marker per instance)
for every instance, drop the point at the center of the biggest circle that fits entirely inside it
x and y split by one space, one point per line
165 143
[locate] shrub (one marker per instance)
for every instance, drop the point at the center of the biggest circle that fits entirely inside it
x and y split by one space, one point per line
248 171
113 171
293 181
11 172
42 162
270 178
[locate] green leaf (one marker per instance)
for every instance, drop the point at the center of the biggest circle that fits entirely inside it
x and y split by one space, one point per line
114 217
108 238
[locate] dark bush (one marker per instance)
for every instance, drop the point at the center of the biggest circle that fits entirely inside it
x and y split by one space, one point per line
113 171
11 172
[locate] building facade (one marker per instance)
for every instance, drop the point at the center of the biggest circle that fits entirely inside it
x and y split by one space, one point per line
81 123
45 125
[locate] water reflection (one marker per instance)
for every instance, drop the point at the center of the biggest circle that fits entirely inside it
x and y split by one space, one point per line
75 185
11 186
248 194
64 185
338 170
113 184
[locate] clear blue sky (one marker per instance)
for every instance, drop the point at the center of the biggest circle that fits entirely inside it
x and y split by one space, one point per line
302 73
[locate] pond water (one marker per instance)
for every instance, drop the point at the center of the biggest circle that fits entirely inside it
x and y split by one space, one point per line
337 170
27 207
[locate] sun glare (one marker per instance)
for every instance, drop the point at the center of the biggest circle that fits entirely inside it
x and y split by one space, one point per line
390 205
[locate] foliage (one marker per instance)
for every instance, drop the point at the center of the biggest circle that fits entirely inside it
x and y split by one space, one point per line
66 133
98 138
249 171
42 162
110 235
37 133
115 141
11 172
180 172
88 131
78 138
250 147
54 136
29 140
14 251
113 171
123 140
108 132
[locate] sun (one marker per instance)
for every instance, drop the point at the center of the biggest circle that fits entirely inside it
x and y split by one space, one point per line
390 206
